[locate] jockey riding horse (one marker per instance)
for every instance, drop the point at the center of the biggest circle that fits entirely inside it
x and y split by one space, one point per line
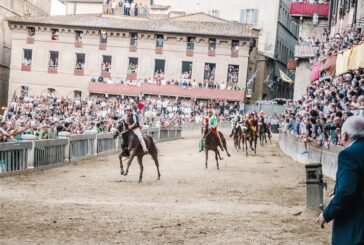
212 139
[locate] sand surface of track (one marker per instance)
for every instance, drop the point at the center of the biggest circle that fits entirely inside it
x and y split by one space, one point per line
250 200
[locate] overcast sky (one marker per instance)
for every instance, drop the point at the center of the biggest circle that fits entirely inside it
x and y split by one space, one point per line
58 8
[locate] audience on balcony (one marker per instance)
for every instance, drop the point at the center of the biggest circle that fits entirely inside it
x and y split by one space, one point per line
80 65
27 62
55 34
106 66
44 117
53 62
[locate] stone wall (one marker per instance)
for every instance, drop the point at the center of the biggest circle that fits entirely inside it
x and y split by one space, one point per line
293 147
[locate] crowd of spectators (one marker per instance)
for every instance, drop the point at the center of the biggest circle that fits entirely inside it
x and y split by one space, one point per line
44 117
184 81
330 100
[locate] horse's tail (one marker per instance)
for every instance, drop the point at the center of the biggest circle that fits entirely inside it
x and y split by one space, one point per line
153 146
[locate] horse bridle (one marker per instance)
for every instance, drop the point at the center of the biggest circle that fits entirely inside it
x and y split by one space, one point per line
123 132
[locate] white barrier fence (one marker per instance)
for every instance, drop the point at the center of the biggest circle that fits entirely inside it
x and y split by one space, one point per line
294 147
36 154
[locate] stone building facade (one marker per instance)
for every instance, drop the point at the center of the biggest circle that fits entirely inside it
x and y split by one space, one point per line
277 38
173 46
10 8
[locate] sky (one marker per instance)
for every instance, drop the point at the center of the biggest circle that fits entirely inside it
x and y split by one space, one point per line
58 8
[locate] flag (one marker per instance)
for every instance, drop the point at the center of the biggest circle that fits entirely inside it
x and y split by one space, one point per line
284 77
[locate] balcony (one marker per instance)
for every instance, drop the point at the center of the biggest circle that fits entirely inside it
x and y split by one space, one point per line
133 48
211 52
26 68
309 9
30 40
102 46
106 74
234 53
131 76
78 44
79 72
189 52
158 50
53 70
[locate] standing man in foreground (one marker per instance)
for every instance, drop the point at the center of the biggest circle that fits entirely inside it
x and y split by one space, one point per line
346 208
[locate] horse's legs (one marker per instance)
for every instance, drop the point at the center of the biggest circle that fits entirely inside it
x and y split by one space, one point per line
217 160
206 157
132 155
218 153
140 161
255 146
155 158
121 164
224 145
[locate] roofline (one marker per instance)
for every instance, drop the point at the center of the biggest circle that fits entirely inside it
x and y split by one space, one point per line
191 14
129 30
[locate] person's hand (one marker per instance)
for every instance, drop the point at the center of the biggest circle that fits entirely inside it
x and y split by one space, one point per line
321 220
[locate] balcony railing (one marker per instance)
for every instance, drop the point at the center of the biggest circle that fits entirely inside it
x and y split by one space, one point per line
309 9
131 76
105 74
189 52
26 68
133 48
78 44
234 53
52 70
79 72
159 50
102 46
30 40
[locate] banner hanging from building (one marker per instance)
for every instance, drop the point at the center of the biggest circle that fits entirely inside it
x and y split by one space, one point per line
285 78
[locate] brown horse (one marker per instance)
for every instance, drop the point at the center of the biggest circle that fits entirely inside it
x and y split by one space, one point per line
238 137
249 138
131 148
211 144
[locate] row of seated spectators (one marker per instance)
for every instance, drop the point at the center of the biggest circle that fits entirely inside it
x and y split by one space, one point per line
43 117
159 80
319 115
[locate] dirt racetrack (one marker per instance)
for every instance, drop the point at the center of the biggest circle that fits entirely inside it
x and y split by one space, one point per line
254 200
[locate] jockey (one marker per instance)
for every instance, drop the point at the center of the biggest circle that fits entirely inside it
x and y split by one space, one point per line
236 122
132 121
213 127
252 124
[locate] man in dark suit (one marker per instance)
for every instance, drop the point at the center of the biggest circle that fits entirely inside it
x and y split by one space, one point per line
346 208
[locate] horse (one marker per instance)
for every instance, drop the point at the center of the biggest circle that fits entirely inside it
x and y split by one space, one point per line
238 137
131 148
263 131
249 137
211 144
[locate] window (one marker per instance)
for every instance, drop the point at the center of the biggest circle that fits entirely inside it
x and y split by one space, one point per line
212 44
133 65
187 69
209 71
235 45
53 59
80 61
233 74
160 41
103 37
31 32
106 63
249 16
77 94
159 67
27 60
55 34
51 93
190 43
78 36
133 38
214 12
